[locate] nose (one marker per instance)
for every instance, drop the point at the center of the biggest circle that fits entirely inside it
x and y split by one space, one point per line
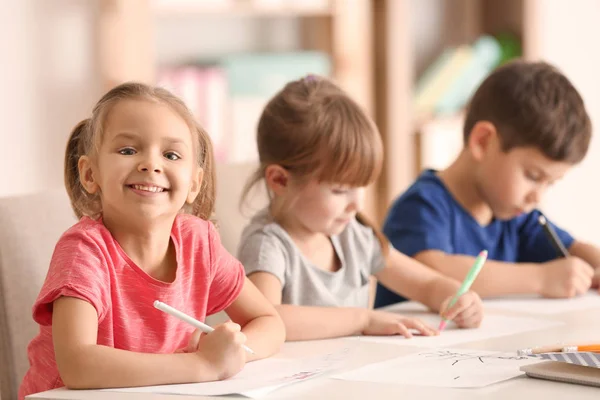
535 195
149 164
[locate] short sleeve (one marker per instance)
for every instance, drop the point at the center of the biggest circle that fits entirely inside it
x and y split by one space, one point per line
416 223
77 269
260 252
227 275
534 245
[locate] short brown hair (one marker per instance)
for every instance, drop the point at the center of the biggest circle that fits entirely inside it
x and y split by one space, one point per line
87 135
532 104
315 130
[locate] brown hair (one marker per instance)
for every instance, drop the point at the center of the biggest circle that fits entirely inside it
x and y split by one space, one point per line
533 104
87 135
315 130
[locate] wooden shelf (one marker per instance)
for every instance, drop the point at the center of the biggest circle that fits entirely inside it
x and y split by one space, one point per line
242 8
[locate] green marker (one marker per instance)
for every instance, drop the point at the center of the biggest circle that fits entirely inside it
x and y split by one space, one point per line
466 285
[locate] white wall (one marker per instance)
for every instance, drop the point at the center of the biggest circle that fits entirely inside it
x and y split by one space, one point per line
567 35
47 81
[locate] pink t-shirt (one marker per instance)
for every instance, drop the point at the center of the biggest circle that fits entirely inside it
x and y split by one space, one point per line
89 264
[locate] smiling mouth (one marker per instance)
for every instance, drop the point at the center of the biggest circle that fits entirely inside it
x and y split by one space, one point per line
150 189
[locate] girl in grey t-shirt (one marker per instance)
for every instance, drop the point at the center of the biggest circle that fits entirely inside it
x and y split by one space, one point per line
310 252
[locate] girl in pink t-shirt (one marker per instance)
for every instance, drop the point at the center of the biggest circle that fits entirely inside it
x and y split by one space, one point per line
139 173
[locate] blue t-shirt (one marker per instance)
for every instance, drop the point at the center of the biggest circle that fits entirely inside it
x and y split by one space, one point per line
427 217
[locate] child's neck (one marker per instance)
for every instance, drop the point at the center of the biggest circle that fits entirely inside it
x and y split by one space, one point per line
460 180
147 245
289 224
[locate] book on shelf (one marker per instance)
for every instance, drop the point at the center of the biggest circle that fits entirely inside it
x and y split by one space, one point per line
447 85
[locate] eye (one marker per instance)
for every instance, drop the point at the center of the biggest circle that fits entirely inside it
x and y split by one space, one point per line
532 176
127 151
339 191
172 156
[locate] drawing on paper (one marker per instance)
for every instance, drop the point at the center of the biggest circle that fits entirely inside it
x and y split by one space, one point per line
446 367
457 357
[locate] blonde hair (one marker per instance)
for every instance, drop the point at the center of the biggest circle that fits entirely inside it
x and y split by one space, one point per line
87 135
314 129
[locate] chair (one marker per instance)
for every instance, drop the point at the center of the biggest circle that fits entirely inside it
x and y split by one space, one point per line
29 229
231 179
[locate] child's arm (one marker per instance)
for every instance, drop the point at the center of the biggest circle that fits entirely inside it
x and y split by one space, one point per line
260 321
309 322
83 364
564 277
305 322
589 253
416 281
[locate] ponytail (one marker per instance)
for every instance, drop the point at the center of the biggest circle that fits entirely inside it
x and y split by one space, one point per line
75 149
204 205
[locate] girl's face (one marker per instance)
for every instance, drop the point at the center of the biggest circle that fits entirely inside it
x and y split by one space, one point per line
146 165
324 207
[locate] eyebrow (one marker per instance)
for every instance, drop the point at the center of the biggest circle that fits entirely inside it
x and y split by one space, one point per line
125 135
132 136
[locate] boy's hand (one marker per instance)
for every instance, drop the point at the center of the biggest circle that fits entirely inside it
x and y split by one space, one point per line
222 350
467 312
566 277
381 323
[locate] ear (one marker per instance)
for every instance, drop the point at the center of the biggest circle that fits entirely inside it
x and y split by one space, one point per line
482 139
277 178
86 175
195 186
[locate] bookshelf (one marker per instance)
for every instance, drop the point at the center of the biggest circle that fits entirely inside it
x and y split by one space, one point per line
409 36
343 29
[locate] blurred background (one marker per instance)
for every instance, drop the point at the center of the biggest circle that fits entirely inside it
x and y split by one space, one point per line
411 63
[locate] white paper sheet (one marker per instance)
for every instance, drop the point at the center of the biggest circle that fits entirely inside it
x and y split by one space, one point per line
257 379
492 326
458 368
537 305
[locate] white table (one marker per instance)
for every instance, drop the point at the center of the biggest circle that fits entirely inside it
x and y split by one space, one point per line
580 326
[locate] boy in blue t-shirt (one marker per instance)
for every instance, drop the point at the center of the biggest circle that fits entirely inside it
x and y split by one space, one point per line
525 127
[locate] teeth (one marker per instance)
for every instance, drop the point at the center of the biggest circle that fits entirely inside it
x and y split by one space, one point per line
153 189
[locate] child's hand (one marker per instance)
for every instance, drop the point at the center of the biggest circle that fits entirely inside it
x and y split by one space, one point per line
566 277
222 349
467 312
384 323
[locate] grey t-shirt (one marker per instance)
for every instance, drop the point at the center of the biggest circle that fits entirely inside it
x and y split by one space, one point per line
265 246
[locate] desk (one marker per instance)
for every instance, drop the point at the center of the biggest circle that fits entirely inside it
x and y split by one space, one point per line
580 326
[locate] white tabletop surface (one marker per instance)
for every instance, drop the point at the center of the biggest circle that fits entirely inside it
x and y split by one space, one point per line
579 327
